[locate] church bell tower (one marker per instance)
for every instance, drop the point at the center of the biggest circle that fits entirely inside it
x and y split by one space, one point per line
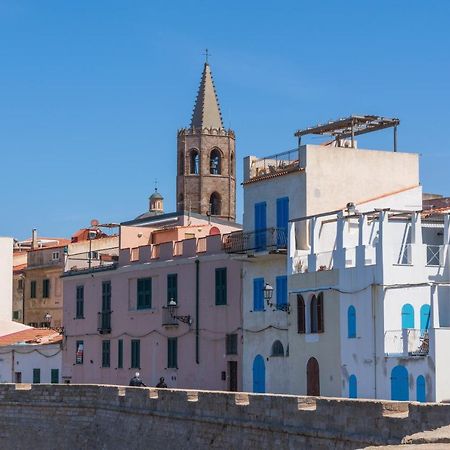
206 170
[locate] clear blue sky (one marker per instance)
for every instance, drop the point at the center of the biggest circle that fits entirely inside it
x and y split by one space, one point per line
93 92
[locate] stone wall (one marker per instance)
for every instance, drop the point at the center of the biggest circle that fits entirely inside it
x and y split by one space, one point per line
112 417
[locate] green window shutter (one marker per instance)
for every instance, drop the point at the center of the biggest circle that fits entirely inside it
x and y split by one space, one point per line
120 354
172 287
55 376
221 286
46 288
135 353
80 302
106 353
36 375
144 293
172 350
33 289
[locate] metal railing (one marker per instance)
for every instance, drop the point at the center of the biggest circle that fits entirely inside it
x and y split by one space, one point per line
104 322
279 162
402 256
167 318
269 239
406 342
434 255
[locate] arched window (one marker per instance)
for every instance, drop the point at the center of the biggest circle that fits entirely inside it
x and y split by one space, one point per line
407 316
194 162
399 383
424 318
215 204
215 163
421 395
277 349
301 323
351 321
316 313
312 377
352 386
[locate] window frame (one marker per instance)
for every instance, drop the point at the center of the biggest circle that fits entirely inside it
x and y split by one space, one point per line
143 293
172 353
221 280
172 287
135 353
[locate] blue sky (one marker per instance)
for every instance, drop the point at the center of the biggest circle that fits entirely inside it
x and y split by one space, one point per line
93 92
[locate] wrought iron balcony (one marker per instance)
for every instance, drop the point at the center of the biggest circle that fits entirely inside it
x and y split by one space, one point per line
267 240
167 318
104 322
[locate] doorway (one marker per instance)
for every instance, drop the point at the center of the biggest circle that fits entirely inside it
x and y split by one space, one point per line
232 376
312 377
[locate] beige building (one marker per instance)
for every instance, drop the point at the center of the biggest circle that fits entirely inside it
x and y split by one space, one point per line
206 179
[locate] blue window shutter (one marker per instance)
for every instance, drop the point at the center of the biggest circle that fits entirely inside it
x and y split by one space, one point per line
282 220
258 294
281 287
424 318
351 319
407 316
352 387
260 226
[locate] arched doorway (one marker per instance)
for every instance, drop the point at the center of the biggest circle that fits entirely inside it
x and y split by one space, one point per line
259 375
421 394
352 387
399 383
312 377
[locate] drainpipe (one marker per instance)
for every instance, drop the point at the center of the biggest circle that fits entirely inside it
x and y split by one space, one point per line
197 328
373 294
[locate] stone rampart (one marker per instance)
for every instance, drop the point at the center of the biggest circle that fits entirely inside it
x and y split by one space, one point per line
114 417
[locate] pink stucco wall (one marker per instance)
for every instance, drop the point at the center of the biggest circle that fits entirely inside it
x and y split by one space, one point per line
128 323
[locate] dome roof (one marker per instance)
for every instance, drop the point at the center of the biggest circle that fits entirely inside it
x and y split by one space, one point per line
156 196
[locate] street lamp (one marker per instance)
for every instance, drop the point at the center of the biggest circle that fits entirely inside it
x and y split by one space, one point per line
268 293
48 319
172 306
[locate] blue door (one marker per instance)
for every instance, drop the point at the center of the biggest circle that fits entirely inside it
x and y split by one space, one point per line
399 383
352 387
420 389
259 375
424 318
407 316
282 221
260 226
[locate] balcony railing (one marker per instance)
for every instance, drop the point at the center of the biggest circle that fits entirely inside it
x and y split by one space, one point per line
434 255
281 162
167 319
406 342
104 322
269 239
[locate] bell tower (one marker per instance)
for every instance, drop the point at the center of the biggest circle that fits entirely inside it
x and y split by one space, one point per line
206 169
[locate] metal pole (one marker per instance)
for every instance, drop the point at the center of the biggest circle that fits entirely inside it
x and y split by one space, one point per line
395 138
353 136
197 298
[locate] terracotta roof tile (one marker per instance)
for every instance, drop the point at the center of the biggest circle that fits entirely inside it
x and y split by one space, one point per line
31 336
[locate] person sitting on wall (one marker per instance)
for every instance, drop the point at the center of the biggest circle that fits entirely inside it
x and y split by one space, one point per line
136 380
161 383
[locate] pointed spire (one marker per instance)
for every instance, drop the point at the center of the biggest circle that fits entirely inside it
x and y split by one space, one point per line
207 111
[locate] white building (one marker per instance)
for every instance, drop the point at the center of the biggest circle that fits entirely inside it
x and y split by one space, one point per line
31 356
370 305
307 181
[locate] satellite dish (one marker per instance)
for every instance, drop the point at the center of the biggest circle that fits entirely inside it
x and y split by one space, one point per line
95 223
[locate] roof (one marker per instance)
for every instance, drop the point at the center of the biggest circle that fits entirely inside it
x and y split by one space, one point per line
19 268
156 195
436 206
206 110
32 336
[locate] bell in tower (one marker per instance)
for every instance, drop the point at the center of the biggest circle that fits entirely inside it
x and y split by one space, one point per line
206 180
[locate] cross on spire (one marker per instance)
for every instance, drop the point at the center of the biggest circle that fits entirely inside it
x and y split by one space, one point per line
206 54
156 185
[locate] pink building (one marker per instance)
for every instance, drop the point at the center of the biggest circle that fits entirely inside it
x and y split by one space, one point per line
170 307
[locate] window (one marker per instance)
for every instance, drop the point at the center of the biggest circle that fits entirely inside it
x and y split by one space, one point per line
120 354
258 294
351 321
316 310
215 204
194 162
36 375
106 353
80 302
54 377
20 284
215 163
144 293
301 322
172 344
33 289
221 286
260 226
16 315
352 387
231 344
282 221
135 353
172 287
277 349
407 316
55 256
281 286
79 352
46 288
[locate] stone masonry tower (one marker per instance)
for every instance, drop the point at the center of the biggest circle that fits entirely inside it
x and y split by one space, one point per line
206 174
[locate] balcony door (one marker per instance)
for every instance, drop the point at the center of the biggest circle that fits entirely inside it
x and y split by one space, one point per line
260 226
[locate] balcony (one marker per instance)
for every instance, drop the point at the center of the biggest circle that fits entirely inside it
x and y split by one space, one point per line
104 322
167 318
406 342
268 240
273 165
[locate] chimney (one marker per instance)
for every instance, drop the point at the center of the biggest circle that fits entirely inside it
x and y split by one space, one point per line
33 239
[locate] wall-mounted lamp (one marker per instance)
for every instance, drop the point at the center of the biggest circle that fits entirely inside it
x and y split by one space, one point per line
172 307
268 294
48 319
